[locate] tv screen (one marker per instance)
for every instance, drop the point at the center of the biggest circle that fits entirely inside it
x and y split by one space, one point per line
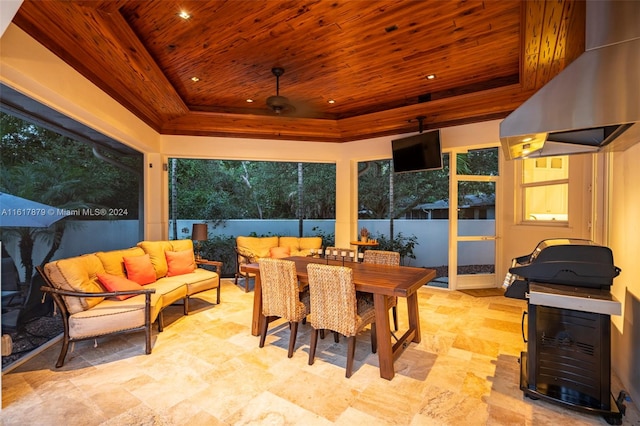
418 152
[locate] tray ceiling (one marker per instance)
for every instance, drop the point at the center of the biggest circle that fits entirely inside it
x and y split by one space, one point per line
193 75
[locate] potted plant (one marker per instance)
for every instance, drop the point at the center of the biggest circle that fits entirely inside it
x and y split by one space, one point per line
364 234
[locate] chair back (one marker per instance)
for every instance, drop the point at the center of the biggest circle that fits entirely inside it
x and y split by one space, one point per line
280 291
382 257
332 299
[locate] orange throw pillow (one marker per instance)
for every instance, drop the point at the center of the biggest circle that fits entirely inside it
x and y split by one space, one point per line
140 269
180 262
279 252
116 283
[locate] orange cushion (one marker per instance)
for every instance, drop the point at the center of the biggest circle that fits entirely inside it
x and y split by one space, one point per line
116 283
279 252
180 262
140 269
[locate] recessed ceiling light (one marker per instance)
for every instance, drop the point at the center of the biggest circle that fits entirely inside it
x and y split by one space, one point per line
184 15
195 79
332 101
431 77
527 139
249 100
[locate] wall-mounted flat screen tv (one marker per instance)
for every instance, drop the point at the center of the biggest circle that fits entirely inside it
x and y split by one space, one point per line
417 153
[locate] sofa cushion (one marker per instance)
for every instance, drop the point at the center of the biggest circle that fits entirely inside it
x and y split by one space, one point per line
117 283
112 315
180 262
201 280
179 245
307 243
77 274
112 260
300 246
257 245
155 250
171 289
140 269
279 252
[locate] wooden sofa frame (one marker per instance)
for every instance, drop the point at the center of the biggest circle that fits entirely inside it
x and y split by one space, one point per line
57 298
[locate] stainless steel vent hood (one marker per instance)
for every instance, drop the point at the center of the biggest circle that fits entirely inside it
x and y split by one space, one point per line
594 103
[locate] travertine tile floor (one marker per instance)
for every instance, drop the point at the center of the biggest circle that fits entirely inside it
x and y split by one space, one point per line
207 369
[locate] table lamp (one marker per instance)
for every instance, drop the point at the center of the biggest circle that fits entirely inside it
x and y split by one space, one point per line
199 233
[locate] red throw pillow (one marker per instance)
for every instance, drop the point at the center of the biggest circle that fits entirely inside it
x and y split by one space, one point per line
140 269
116 283
279 252
180 262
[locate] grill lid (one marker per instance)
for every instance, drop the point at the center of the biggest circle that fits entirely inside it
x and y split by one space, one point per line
577 262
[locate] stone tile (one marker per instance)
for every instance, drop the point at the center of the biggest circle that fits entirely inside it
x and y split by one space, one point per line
306 389
442 406
270 409
207 369
504 307
476 345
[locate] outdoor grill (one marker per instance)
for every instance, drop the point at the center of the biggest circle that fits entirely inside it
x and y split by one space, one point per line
566 284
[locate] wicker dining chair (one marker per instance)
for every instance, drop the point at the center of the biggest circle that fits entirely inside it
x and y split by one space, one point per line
382 257
281 297
335 307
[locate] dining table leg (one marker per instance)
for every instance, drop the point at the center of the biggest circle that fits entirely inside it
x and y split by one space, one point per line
383 335
257 318
414 316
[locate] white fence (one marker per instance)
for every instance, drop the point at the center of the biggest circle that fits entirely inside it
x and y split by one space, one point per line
432 248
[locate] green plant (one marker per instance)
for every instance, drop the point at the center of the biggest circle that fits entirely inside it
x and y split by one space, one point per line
364 232
402 244
221 248
327 239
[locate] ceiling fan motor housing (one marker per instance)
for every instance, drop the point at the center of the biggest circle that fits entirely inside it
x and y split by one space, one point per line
277 103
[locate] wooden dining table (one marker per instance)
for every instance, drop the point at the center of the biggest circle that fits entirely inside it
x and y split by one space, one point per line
383 282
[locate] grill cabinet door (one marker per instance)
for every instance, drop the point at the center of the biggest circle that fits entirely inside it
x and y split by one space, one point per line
570 355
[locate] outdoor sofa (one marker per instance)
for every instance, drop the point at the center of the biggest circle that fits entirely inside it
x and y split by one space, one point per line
250 249
125 290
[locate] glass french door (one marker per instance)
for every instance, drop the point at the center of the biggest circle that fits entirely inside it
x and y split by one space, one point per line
472 228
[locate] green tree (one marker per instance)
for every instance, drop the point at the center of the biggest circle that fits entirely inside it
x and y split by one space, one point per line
217 190
41 165
409 189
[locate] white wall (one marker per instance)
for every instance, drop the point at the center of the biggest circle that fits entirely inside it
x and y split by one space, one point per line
8 9
519 238
624 240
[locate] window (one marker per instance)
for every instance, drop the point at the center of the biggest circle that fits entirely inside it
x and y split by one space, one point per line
86 185
545 189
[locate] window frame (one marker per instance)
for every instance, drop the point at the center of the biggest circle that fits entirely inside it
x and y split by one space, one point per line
522 194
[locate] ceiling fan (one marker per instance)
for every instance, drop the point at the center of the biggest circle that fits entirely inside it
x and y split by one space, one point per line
279 104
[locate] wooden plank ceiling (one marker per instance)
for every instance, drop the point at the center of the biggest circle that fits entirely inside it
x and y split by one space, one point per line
371 57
